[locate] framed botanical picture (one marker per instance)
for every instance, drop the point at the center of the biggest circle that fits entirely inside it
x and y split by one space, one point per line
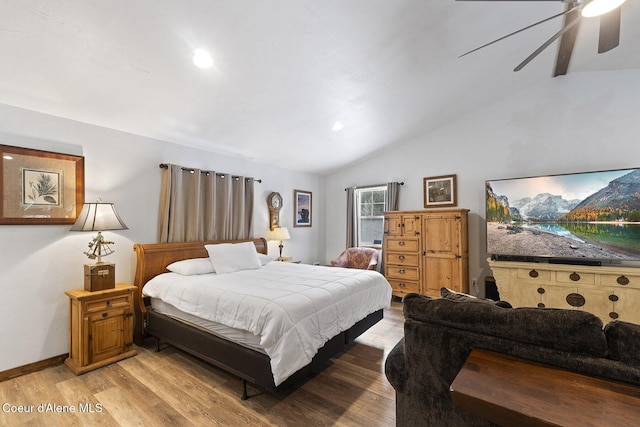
440 191
40 187
302 209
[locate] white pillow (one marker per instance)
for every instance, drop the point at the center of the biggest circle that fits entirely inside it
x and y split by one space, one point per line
230 257
189 267
264 259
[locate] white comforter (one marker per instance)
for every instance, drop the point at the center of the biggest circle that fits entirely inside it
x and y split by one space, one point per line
294 308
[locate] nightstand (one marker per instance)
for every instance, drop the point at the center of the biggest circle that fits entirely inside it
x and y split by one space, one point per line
101 327
289 259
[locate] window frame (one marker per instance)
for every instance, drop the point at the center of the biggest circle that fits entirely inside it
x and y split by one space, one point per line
358 205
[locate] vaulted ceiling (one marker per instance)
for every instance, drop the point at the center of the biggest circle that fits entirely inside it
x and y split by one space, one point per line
284 70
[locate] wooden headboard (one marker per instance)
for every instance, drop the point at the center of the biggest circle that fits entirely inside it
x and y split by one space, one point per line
153 259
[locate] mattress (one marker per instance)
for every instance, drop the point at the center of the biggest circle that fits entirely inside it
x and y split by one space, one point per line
293 308
238 336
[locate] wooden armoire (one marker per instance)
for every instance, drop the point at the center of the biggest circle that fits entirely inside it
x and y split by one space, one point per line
425 250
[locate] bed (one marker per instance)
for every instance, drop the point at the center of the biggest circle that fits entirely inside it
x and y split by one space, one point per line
245 345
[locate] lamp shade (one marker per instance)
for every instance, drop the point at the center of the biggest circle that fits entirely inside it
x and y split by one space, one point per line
280 233
98 217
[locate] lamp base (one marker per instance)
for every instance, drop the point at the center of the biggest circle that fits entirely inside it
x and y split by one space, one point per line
98 277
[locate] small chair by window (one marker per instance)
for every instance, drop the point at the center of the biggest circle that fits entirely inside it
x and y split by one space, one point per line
362 258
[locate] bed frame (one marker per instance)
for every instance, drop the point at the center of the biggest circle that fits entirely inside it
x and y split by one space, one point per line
250 365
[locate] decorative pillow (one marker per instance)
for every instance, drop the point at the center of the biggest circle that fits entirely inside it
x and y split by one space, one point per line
580 331
230 257
449 294
264 259
190 267
623 340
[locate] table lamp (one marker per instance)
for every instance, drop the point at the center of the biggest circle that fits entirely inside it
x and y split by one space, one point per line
99 217
279 233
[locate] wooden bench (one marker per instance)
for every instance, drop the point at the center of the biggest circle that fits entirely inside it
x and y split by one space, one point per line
510 391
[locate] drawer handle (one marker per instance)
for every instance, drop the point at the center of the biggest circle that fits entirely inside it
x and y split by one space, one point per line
105 314
541 291
108 303
401 243
401 271
574 276
401 257
613 298
533 274
575 300
401 285
622 280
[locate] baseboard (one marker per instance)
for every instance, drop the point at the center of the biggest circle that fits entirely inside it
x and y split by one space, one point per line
32 367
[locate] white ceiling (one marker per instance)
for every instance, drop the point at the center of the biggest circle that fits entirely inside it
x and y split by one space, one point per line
285 70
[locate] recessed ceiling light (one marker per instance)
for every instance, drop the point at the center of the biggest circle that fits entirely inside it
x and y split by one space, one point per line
202 58
337 126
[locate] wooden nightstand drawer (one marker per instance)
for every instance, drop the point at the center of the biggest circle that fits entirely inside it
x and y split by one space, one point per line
122 301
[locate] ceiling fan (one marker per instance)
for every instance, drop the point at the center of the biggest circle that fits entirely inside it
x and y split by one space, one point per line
609 37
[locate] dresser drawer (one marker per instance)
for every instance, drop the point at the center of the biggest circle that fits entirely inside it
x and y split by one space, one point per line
404 245
621 280
120 301
573 277
531 274
401 259
403 287
402 273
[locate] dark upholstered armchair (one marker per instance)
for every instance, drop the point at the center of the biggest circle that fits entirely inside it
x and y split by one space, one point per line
362 258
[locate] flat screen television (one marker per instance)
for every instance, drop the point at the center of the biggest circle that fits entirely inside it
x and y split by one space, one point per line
590 218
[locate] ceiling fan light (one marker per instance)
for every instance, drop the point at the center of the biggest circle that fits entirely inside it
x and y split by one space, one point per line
600 7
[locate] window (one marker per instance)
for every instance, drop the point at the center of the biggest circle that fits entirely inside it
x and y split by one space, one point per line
370 206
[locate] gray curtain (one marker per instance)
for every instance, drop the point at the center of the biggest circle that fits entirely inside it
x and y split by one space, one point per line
200 205
393 195
351 217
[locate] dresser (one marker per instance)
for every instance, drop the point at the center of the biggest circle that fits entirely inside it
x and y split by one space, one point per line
101 327
425 250
609 292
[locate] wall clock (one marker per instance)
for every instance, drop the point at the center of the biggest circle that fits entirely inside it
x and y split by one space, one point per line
274 202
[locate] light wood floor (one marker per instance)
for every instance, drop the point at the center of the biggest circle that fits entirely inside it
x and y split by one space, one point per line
174 389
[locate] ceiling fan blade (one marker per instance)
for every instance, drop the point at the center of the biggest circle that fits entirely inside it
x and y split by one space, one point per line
522 29
567 41
546 44
609 30
510 0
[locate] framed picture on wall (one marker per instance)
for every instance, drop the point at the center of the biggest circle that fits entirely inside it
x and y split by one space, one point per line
440 191
302 209
40 187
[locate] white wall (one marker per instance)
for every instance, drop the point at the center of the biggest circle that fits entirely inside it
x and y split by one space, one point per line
580 122
38 263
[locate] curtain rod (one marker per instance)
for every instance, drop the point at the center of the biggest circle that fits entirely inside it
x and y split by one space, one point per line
371 186
222 175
